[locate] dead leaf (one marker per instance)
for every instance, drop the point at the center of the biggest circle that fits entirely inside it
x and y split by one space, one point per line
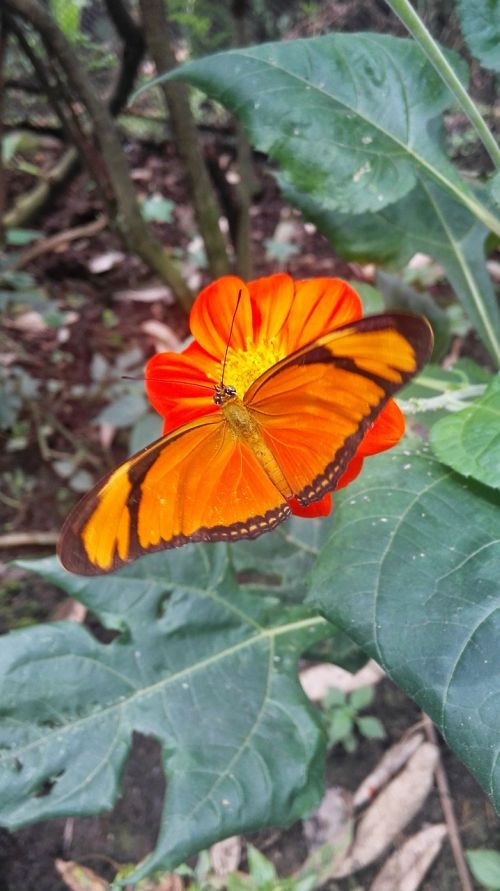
106 434
330 819
420 261
105 262
329 835
142 174
151 294
7 359
80 878
31 322
391 811
317 680
225 856
493 267
389 764
69 610
407 867
286 231
163 336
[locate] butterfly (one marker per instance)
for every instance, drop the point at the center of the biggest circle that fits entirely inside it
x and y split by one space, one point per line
230 475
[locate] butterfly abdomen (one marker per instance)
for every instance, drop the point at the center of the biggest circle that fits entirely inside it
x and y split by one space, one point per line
245 428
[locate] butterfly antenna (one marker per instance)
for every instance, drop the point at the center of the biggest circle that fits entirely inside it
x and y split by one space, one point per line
164 380
229 338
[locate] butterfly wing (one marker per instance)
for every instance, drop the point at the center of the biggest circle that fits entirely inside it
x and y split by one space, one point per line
198 483
201 482
315 406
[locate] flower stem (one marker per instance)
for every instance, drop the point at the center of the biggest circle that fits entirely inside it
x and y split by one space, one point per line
416 27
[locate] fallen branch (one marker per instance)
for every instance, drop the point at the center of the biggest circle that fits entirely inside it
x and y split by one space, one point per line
61 238
28 204
28 539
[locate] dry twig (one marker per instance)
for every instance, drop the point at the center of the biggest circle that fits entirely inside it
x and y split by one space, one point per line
28 539
449 813
61 238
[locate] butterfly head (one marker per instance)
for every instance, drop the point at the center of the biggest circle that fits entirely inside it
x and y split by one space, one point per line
222 393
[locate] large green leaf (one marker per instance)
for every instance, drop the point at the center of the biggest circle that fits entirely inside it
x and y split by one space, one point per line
202 665
469 441
426 220
412 572
209 667
480 23
347 116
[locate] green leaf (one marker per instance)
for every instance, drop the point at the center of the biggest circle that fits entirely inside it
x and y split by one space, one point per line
157 209
280 562
67 16
334 697
370 727
146 429
434 380
345 116
20 237
261 869
340 726
480 23
371 298
361 698
469 441
350 743
279 251
11 143
485 867
427 220
124 411
235 882
200 664
411 571
398 295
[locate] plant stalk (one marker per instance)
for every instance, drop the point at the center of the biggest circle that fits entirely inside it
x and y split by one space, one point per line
206 206
123 209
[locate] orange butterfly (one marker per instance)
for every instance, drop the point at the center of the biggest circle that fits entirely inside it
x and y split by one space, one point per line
240 468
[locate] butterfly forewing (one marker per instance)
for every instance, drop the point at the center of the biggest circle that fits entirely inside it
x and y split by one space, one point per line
315 406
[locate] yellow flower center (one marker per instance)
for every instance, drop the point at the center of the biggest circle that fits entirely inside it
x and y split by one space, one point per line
243 367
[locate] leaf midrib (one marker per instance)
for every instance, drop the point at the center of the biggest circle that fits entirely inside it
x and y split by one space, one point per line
460 194
124 704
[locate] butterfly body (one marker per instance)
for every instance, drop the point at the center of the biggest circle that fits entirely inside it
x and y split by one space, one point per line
245 428
235 471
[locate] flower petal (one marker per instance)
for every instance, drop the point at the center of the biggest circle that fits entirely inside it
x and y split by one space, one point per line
320 305
352 470
180 386
385 432
272 298
319 508
213 313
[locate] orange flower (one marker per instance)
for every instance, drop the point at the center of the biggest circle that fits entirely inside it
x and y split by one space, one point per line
275 317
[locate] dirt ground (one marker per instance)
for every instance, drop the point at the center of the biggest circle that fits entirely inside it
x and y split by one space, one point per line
36 498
